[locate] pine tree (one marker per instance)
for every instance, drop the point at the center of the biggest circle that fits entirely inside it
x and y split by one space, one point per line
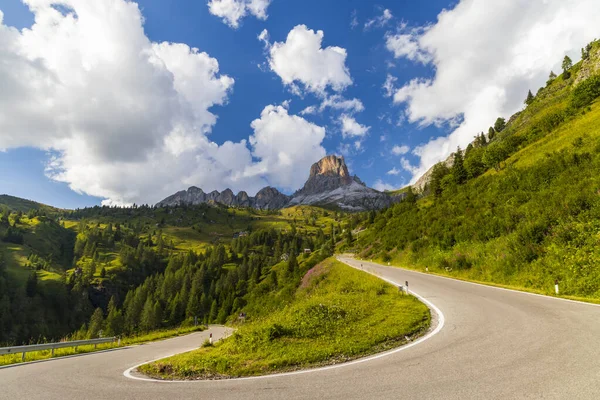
148 319
348 236
458 168
273 278
114 320
214 311
292 264
491 133
31 285
566 66
529 98
96 323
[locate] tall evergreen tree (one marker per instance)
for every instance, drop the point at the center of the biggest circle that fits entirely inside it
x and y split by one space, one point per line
529 98
292 264
567 64
31 285
96 323
458 168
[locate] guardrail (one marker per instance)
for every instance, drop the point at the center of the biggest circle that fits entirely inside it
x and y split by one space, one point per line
52 346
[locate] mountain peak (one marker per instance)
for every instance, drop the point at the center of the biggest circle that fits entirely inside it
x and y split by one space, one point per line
330 166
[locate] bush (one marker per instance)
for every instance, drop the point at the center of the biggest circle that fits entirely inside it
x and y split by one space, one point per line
586 92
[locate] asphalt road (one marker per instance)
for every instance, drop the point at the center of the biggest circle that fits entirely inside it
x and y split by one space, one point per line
495 344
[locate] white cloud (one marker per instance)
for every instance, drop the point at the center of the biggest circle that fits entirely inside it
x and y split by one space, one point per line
338 102
407 45
263 36
483 69
380 21
382 186
389 85
352 128
302 60
407 166
309 110
353 20
393 171
232 11
399 150
287 146
126 119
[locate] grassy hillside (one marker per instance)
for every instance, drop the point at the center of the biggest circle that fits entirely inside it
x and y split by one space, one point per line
23 205
521 209
336 314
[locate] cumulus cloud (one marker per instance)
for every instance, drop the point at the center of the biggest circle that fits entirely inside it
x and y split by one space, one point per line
301 62
399 150
382 186
351 128
379 21
287 146
484 69
406 44
233 11
393 171
126 119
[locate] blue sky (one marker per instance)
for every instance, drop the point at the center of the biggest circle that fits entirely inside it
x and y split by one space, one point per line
407 121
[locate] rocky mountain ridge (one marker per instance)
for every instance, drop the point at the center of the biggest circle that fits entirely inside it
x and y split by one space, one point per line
329 184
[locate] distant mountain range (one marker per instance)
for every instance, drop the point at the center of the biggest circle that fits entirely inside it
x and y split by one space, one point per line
329 184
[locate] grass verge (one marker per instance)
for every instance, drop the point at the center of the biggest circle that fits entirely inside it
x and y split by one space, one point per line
127 341
338 314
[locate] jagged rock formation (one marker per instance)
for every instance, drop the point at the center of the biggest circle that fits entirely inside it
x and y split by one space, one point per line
266 199
329 184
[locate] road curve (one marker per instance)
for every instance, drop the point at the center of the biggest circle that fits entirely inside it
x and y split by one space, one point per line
495 344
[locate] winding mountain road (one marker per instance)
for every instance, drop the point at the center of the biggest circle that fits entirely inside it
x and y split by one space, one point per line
494 344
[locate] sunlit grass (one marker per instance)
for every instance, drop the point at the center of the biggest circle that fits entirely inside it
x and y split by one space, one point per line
338 314
69 351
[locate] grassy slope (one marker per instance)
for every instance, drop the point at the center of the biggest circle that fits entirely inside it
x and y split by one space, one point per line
23 205
535 220
42 237
337 314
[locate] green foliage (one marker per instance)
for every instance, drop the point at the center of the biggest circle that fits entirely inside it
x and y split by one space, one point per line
586 92
459 173
494 155
499 125
337 314
529 98
567 64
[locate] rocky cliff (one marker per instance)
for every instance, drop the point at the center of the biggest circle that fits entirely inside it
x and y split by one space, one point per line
266 199
329 184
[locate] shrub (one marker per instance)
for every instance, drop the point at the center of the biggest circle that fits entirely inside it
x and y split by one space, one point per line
586 92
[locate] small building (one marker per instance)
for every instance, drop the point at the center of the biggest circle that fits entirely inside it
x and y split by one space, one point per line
307 251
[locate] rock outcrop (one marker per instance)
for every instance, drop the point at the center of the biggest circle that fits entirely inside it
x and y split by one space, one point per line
329 184
266 199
